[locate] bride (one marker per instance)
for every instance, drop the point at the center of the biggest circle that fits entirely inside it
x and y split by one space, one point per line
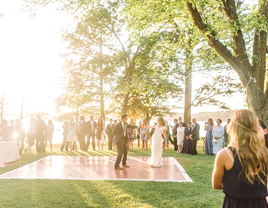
156 156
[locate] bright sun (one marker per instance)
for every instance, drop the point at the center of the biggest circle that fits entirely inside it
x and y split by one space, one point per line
30 65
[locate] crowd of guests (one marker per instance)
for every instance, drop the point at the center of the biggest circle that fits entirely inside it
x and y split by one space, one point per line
183 136
78 130
216 136
38 132
85 132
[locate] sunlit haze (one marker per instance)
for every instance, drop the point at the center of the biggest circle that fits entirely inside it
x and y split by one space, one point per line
30 64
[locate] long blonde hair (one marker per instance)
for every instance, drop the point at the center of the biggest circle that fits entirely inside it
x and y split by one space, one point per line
243 131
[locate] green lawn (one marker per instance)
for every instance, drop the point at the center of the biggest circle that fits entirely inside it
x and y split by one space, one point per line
80 193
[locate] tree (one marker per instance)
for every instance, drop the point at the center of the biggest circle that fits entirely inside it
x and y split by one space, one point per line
185 41
94 70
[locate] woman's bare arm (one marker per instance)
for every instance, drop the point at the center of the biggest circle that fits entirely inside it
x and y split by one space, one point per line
218 170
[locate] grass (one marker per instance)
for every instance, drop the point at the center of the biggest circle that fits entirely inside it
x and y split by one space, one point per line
76 193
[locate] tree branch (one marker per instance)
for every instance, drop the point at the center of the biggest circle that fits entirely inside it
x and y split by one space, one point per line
218 46
229 9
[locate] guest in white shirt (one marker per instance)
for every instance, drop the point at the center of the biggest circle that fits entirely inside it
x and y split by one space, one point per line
180 136
217 133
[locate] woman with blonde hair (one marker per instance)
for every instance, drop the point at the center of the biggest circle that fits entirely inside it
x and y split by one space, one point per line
208 145
144 134
241 169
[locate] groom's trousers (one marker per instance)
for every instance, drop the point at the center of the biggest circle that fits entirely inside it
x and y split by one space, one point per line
121 151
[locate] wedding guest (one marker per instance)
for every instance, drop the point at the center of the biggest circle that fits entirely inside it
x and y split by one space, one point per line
78 129
9 131
49 134
217 133
264 127
82 136
130 136
144 135
174 134
71 136
31 134
40 134
183 124
180 137
19 129
115 145
187 146
64 133
226 136
103 139
139 134
167 137
241 169
208 145
5 134
91 131
100 128
109 132
194 135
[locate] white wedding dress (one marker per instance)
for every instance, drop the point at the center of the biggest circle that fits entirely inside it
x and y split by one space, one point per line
156 157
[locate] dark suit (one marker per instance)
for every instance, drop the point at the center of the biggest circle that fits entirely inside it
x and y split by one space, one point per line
120 138
195 136
91 133
20 135
82 135
109 132
40 135
174 134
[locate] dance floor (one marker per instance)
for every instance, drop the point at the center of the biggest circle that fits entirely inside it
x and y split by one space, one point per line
99 168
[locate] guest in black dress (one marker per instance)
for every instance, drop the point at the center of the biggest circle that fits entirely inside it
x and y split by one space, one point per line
187 144
100 128
241 169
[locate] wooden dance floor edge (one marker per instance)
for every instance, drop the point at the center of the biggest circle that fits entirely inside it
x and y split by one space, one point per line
176 163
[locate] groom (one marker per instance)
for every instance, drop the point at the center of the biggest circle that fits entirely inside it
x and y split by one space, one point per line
120 138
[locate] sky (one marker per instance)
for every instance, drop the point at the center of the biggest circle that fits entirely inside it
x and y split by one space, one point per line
30 64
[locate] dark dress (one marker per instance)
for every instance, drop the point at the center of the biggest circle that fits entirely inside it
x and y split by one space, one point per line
187 144
99 130
238 193
138 131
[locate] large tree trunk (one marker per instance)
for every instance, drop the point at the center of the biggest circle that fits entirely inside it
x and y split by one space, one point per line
188 84
251 76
